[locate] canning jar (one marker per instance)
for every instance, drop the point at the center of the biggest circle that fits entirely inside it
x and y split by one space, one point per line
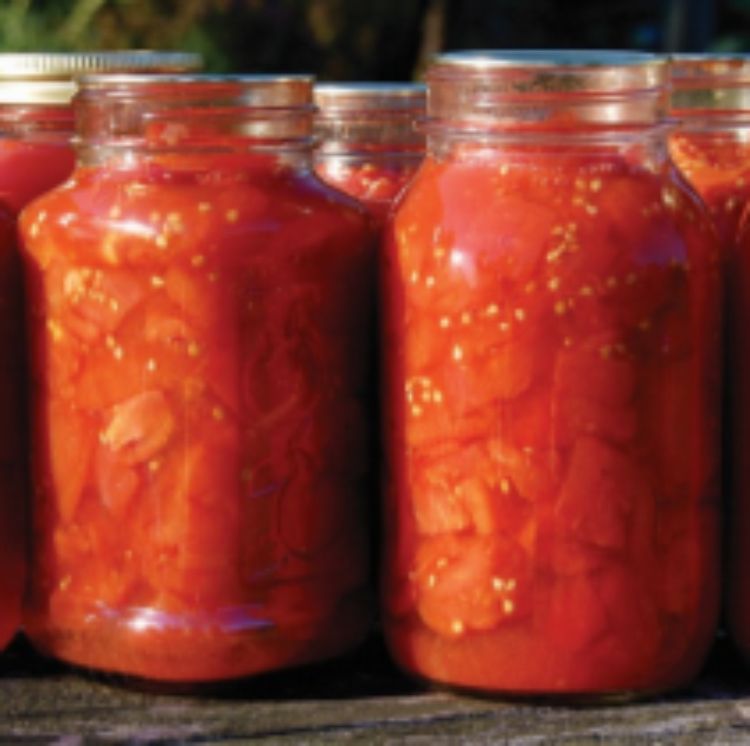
36 154
370 144
710 105
36 118
551 416
199 302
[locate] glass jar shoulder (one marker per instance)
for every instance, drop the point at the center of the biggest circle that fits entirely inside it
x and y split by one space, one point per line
146 214
529 219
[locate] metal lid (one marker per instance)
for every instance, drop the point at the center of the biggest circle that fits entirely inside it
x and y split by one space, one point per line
713 82
362 97
49 77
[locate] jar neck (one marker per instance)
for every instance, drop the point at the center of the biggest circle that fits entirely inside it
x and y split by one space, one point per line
37 122
194 121
369 133
645 147
546 93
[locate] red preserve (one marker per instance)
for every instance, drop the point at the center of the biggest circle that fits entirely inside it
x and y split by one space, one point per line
369 142
711 146
710 104
199 311
551 326
36 126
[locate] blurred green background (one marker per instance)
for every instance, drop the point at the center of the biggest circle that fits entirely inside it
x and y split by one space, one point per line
367 39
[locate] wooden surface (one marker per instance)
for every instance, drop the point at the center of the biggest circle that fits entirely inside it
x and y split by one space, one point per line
360 699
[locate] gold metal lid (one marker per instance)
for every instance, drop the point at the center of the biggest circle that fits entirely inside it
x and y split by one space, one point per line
50 77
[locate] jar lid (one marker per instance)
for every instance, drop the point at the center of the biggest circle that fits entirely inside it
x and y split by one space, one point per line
49 77
714 82
366 97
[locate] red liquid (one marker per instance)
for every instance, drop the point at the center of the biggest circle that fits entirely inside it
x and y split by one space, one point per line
376 183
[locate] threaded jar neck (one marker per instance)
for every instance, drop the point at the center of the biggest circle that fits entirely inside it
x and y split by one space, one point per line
354 118
545 90
711 86
196 113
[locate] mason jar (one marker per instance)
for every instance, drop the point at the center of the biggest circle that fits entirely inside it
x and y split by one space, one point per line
551 343
369 140
710 142
199 306
36 154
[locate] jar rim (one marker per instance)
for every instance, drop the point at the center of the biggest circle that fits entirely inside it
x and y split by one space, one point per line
501 59
369 95
280 92
104 79
499 88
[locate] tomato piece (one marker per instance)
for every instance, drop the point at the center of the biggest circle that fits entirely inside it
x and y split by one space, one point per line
576 618
635 629
592 392
138 428
470 583
69 436
602 488
669 423
116 480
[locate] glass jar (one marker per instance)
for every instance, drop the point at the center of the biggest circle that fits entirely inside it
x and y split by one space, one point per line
711 145
36 154
369 142
551 416
36 118
199 303
710 104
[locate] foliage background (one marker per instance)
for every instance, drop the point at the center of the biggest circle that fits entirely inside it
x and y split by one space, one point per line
367 39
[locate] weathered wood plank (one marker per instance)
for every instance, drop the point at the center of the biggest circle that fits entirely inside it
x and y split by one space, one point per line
362 699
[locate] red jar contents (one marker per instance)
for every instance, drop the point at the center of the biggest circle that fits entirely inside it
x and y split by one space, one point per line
36 126
37 161
551 423
200 447
369 143
13 447
711 105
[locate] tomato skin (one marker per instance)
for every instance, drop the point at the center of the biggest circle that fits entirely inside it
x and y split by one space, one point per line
201 472
537 347
376 181
717 165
